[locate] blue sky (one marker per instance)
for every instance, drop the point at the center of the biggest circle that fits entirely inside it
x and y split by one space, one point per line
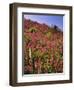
47 19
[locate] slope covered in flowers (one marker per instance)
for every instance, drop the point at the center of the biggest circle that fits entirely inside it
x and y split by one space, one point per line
43 48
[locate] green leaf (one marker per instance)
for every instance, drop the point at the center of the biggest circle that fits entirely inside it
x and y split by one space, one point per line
33 29
48 34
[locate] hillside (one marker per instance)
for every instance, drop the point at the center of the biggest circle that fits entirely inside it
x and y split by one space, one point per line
43 48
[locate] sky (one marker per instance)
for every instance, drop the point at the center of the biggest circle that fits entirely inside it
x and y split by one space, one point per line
47 19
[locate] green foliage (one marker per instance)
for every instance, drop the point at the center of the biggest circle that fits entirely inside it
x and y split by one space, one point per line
37 53
33 29
27 38
49 69
48 34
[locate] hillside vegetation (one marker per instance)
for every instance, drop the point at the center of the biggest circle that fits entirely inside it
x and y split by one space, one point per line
43 48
